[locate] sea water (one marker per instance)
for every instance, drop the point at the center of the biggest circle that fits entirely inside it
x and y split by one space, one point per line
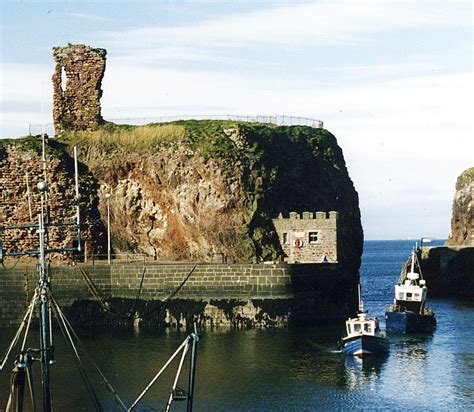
287 369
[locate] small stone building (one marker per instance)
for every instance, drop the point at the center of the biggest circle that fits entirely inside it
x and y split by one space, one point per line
308 237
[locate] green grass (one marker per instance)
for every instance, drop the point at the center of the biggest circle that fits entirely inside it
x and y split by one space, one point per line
31 144
112 137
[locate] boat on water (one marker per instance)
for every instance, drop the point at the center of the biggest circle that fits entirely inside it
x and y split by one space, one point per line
363 335
408 314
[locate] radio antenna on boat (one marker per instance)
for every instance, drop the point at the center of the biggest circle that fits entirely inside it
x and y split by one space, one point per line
43 151
43 288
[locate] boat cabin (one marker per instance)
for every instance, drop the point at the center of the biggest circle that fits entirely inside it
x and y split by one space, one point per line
362 326
411 294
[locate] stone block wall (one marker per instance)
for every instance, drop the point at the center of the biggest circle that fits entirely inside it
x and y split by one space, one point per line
302 293
77 83
207 281
17 285
308 237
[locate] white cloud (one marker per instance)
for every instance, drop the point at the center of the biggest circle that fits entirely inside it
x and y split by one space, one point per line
406 133
324 23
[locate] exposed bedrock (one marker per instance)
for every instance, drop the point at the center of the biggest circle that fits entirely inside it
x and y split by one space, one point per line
213 187
449 270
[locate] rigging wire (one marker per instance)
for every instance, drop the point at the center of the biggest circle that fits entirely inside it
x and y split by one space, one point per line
11 267
95 291
154 310
175 383
107 307
181 347
18 333
107 384
133 311
77 359
29 376
35 298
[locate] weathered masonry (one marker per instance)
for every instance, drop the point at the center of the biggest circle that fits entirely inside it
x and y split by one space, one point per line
309 237
218 294
20 171
77 87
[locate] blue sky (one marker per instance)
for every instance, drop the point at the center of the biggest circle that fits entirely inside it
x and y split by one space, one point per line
391 79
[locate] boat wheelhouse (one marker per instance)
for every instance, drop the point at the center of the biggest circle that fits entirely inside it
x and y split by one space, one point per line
363 335
408 312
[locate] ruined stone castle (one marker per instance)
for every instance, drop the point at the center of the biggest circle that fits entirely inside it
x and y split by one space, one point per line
77 87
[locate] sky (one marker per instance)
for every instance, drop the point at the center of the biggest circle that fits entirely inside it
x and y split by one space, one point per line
392 80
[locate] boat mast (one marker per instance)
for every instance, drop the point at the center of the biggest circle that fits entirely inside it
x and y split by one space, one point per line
44 287
361 304
44 283
413 257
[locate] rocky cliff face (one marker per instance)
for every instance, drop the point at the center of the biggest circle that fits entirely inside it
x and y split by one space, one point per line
449 270
462 221
191 189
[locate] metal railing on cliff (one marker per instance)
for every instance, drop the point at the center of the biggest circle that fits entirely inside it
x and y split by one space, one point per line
279 120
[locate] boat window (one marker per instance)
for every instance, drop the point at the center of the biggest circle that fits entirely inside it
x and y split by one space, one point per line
357 327
417 295
401 295
409 296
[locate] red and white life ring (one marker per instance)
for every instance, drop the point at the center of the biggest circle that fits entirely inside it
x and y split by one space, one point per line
298 243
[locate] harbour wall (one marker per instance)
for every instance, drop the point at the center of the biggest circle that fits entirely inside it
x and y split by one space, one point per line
214 294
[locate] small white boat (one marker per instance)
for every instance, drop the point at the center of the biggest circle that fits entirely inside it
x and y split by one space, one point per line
363 335
408 313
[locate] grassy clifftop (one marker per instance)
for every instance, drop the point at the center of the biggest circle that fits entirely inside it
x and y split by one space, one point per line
187 189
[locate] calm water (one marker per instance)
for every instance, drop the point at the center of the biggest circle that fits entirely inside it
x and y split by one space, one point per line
291 370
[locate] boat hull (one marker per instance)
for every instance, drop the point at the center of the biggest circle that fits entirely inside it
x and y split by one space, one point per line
364 345
409 322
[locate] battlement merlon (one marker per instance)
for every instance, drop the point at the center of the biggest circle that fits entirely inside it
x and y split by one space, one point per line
332 215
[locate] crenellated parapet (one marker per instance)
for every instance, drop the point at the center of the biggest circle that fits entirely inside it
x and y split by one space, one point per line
308 236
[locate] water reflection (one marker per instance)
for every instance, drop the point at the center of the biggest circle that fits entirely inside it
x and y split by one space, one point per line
411 347
361 372
289 369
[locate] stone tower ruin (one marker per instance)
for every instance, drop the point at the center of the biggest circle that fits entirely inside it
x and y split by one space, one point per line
77 89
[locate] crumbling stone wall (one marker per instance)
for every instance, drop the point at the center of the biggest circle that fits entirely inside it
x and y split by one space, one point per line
21 168
308 238
77 87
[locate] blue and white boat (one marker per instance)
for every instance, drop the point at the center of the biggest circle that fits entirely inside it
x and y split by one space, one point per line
364 336
408 313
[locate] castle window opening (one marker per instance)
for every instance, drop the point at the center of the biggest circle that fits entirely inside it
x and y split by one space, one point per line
63 79
313 237
286 239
